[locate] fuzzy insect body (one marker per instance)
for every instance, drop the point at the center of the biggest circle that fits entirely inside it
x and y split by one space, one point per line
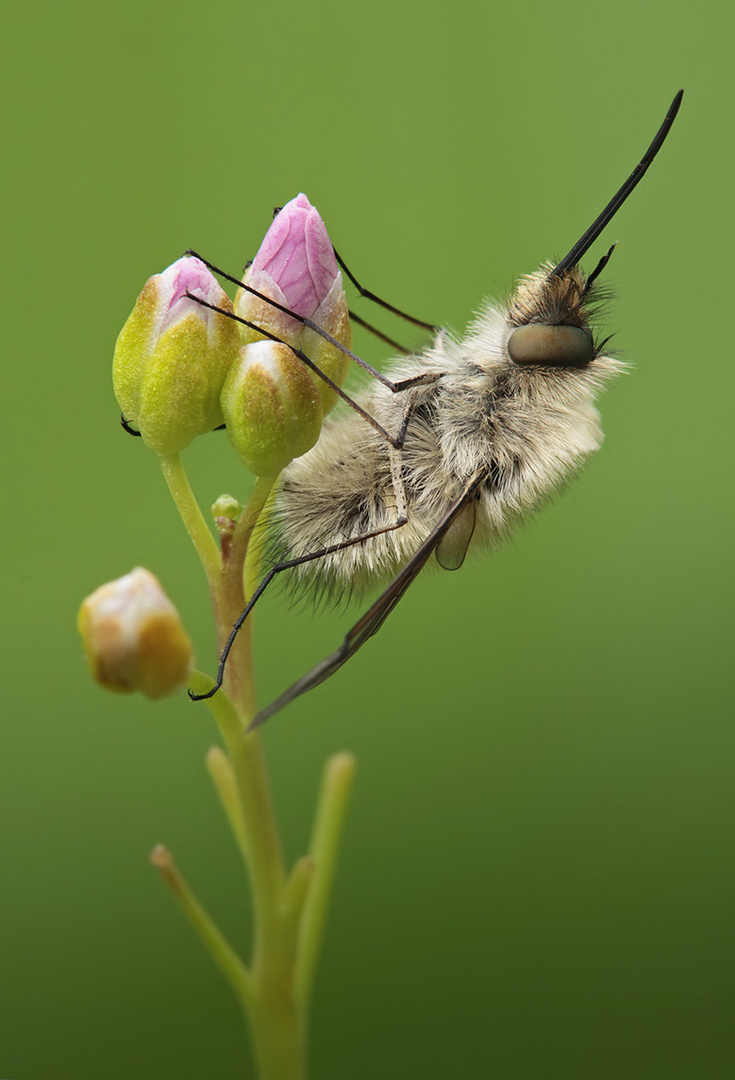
521 430
451 448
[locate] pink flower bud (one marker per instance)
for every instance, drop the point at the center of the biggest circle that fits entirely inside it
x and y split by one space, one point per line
297 256
297 268
187 275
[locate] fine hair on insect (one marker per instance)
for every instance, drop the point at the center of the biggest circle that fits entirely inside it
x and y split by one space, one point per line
451 447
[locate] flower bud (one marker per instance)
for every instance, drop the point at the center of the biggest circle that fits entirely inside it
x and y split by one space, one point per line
271 407
133 637
172 357
296 266
226 506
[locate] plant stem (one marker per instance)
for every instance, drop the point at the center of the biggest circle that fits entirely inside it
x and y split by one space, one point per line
223 777
224 955
263 847
191 515
288 911
337 779
229 599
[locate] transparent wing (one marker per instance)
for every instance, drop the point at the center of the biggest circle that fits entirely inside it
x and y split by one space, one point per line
375 616
452 548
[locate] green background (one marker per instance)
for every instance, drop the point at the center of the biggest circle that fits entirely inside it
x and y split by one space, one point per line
537 878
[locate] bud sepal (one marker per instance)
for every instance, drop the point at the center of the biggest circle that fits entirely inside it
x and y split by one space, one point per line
272 409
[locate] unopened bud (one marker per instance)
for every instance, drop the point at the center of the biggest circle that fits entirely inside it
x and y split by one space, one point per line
226 506
271 407
225 511
172 357
296 267
133 637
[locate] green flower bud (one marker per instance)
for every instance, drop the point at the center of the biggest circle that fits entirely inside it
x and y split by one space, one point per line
133 637
226 506
271 407
296 267
172 357
225 511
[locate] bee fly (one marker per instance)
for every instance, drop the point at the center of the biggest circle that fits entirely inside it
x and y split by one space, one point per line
453 446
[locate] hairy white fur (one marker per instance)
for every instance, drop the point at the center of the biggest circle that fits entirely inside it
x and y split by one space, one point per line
524 429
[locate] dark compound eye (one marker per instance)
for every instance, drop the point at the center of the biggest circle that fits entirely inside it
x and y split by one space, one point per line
560 346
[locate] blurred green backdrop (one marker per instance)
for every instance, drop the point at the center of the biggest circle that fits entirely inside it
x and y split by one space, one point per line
537 879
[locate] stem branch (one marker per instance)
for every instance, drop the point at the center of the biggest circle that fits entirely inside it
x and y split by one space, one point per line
337 779
229 963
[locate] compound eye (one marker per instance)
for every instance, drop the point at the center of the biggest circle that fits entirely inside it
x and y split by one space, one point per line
560 346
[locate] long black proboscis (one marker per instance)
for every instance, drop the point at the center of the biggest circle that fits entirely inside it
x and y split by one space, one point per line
586 241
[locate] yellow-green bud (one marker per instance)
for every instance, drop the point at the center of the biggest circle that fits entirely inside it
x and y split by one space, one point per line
172 357
226 506
225 511
296 267
133 637
271 407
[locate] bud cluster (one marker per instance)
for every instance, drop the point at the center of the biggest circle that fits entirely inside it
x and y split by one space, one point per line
182 368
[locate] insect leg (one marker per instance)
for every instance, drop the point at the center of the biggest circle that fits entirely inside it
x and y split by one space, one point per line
126 427
289 564
376 615
401 512
393 387
382 303
396 442
355 318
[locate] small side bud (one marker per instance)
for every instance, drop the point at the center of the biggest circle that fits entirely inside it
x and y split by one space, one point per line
271 407
133 637
296 266
172 356
225 511
226 506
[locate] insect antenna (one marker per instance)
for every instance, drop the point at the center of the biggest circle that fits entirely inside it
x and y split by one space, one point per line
598 269
600 222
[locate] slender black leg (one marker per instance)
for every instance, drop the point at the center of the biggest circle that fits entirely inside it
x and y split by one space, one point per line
401 512
405 384
288 564
383 303
358 319
393 387
375 299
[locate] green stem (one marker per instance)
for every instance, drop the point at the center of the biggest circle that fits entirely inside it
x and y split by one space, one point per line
223 777
263 847
337 779
191 515
264 494
288 912
277 1021
229 598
